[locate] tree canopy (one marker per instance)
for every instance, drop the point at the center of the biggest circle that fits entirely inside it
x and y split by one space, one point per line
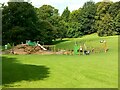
21 21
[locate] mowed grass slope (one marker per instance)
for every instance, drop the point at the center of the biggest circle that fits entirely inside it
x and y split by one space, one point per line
99 70
91 41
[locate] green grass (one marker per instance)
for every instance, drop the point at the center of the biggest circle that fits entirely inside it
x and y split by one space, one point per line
98 70
90 41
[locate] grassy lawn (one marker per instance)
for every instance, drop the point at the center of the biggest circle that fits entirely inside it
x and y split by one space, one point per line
99 70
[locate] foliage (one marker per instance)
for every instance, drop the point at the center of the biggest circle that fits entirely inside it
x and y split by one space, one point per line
117 23
74 15
105 23
74 30
87 17
105 26
46 11
65 15
62 29
45 32
19 22
51 15
114 9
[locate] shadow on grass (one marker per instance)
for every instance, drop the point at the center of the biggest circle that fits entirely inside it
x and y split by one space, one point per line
58 41
13 71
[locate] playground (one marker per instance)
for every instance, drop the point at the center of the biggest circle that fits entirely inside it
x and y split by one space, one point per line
79 48
99 69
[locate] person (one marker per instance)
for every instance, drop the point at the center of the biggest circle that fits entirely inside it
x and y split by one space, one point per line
81 49
6 46
85 49
86 52
105 46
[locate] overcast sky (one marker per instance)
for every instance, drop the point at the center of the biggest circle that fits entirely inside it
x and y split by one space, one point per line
60 4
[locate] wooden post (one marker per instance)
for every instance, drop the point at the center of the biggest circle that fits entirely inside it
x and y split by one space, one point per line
105 46
79 51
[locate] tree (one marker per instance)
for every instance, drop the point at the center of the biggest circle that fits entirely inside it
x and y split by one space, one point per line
45 32
74 15
102 9
114 9
50 14
117 23
62 29
87 17
105 26
74 30
46 11
111 10
18 16
65 15
74 27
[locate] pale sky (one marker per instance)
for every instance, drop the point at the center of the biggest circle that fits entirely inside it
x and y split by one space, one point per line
60 4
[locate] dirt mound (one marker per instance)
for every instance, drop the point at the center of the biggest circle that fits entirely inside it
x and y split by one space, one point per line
26 49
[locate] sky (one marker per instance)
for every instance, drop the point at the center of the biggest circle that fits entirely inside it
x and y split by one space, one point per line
60 4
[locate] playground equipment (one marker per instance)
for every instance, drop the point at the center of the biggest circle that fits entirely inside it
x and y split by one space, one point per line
36 48
30 43
81 50
76 48
5 46
42 47
105 47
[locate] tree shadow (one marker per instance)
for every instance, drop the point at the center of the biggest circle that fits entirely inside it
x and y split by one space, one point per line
13 71
59 41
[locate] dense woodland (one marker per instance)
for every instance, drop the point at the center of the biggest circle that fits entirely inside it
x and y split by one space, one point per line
21 21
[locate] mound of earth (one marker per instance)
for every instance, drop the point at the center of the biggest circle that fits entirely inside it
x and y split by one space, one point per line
26 49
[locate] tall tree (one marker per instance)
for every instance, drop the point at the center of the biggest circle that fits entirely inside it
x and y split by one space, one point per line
74 27
87 17
117 23
114 9
45 32
111 10
65 15
105 26
51 15
45 12
102 9
19 22
74 15
74 30
62 30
